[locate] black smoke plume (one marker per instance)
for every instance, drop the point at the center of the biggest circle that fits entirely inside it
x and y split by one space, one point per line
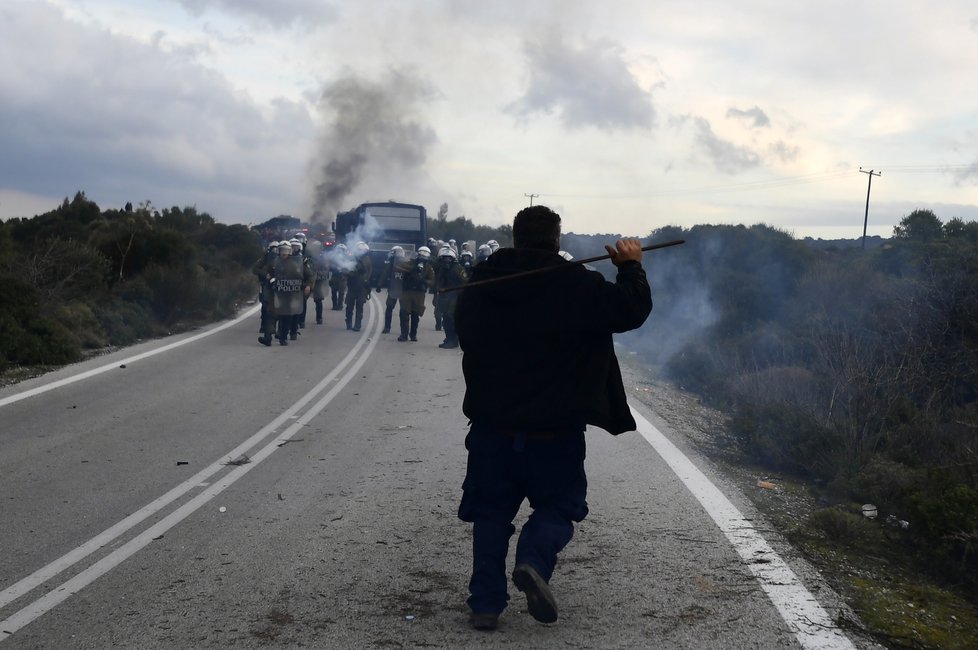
374 129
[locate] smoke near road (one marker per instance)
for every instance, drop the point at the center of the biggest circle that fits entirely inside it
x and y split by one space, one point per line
373 128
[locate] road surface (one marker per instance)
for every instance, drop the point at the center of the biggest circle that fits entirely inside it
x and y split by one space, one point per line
206 491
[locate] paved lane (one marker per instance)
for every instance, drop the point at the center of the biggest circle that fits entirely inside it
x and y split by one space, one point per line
346 535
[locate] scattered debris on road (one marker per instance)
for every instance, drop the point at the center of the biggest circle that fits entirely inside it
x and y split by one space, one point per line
242 460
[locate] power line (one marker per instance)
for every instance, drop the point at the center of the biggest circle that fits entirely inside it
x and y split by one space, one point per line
532 196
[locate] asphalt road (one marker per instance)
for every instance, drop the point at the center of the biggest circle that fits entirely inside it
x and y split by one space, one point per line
131 519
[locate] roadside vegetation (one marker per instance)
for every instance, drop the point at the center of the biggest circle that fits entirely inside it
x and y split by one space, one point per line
79 278
853 372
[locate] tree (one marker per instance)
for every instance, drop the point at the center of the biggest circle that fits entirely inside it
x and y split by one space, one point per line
920 226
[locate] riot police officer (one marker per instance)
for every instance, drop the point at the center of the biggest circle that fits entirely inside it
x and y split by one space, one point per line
339 265
358 286
290 284
320 267
260 269
450 274
418 277
392 279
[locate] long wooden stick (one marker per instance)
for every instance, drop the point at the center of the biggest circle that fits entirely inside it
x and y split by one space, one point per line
523 274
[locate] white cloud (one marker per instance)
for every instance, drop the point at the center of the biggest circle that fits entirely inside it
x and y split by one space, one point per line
589 83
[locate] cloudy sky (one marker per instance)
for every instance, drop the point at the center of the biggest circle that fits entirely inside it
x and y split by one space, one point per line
623 115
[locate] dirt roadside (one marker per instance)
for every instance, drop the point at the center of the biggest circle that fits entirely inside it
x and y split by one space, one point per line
892 604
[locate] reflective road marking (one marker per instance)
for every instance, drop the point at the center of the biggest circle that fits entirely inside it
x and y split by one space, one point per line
806 618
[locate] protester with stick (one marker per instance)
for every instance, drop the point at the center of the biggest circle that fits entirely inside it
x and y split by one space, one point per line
539 365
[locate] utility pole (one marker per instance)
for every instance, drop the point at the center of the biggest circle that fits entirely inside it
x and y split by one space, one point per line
871 173
532 196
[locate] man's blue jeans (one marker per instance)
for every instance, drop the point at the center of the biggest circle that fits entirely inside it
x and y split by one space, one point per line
504 468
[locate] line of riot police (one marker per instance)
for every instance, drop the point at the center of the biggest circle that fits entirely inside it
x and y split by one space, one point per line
292 271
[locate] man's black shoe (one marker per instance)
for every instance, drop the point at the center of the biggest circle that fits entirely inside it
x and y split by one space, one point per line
293 336
487 622
319 321
414 338
265 340
356 328
402 338
283 342
386 330
448 346
539 599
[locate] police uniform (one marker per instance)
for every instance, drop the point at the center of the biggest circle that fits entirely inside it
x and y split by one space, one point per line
418 277
357 291
450 274
337 277
392 279
265 295
290 279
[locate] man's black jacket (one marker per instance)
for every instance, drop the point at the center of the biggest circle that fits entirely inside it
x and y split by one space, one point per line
538 351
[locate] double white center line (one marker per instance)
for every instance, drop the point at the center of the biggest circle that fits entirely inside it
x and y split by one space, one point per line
326 390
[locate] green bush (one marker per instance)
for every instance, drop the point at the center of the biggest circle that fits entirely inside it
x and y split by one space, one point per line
125 323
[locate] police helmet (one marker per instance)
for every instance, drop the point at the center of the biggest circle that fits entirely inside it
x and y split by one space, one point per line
301 236
447 252
272 245
362 247
397 251
284 247
424 252
493 245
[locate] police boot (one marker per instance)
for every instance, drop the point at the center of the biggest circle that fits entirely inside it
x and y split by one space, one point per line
404 328
388 317
265 339
414 326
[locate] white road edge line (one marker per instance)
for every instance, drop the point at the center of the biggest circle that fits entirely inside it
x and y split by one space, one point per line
804 615
54 597
115 364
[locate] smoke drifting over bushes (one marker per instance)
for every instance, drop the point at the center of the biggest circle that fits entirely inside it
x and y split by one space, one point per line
683 309
373 128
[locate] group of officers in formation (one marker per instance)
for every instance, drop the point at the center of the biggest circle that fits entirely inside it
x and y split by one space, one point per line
293 270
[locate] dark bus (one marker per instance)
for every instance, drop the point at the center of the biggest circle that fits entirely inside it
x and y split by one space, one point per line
383 226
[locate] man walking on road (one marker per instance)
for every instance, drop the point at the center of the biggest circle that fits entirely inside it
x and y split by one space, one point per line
539 365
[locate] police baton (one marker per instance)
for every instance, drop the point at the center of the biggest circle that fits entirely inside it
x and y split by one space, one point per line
523 274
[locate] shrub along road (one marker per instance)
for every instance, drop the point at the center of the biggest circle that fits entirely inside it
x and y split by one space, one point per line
225 493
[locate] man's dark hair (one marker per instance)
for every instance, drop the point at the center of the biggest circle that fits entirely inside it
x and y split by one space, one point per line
537 227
